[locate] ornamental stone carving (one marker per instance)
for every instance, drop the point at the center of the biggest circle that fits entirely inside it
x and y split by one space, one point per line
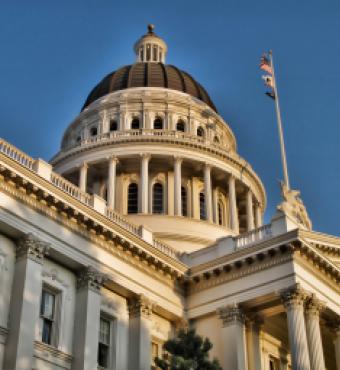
231 314
90 278
140 306
294 296
29 246
314 306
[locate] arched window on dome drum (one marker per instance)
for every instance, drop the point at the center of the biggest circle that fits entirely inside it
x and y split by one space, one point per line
113 125
202 206
141 53
132 206
200 132
155 53
220 213
78 140
216 140
135 124
93 131
184 201
180 126
158 123
157 198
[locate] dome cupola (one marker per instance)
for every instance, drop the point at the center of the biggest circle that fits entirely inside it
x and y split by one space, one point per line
150 48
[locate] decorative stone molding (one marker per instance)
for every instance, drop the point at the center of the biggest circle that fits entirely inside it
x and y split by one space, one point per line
314 306
91 279
231 314
29 246
140 306
293 296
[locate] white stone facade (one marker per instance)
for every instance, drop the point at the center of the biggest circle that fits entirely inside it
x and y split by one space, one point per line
97 275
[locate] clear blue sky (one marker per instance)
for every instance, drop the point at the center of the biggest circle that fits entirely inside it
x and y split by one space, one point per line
54 52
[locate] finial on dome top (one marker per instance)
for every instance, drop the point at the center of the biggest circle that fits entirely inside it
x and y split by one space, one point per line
151 27
150 48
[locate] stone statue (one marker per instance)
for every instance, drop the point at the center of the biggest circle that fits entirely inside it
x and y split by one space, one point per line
293 206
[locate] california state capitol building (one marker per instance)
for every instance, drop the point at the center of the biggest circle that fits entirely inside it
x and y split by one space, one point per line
146 221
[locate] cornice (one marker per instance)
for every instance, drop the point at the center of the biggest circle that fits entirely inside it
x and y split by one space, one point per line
39 193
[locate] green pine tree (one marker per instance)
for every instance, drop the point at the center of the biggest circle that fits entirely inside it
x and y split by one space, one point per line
188 351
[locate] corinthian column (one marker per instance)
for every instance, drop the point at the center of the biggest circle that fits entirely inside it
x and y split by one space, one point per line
234 338
111 184
144 183
293 300
140 311
25 303
250 211
232 205
207 193
177 186
313 308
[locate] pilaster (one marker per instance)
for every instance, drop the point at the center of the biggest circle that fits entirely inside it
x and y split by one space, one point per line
25 303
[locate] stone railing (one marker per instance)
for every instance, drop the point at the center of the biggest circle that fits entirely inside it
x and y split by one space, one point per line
44 170
117 136
16 154
253 236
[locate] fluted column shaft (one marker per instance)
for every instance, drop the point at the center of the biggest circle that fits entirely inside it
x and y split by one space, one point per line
144 183
83 177
316 355
250 211
232 205
207 192
177 186
258 215
293 300
111 186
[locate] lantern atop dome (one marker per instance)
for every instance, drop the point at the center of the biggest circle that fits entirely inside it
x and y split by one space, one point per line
150 48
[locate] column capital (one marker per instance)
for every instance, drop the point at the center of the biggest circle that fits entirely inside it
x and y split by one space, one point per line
293 296
207 166
314 306
90 278
145 156
84 165
140 306
231 314
113 158
29 246
178 159
181 324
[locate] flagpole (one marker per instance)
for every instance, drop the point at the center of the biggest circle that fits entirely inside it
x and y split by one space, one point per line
279 124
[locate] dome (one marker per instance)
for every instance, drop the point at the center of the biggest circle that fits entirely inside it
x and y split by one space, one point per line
142 74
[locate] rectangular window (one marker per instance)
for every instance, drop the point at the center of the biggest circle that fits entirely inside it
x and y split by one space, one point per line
47 315
154 354
104 343
273 363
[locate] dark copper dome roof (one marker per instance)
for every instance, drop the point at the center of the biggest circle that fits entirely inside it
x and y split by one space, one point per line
149 75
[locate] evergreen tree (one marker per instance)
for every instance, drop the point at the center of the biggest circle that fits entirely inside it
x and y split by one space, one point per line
188 351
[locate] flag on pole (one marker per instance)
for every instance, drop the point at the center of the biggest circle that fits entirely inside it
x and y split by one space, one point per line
269 79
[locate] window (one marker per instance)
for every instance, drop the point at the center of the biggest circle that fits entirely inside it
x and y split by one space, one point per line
202 206
47 316
141 54
184 201
132 198
157 198
104 343
148 52
154 354
113 126
200 132
273 363
158 123
135 124
180 126
220 213
155 53
93 131
216 140
78 140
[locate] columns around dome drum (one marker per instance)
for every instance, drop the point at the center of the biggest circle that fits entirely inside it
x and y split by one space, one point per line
182 196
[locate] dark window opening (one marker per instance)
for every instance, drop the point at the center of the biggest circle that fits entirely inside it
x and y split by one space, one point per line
113 126
220 213
184 201
47 313
202 206
180 126
135 124
133 198
216 140
200 132
93 131
158 123
104 343
157 198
